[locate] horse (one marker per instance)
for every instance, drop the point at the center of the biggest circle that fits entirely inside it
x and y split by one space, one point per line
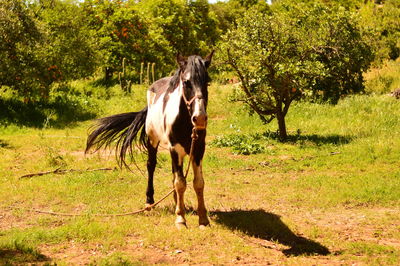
176 108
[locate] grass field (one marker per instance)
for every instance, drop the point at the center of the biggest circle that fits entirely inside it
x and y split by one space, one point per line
329 195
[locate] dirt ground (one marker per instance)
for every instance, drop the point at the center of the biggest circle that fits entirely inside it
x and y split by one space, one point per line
378 225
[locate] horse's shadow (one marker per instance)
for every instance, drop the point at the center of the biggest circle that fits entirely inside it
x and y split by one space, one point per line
268 226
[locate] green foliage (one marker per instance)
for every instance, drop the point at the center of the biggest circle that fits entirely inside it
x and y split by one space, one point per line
187 27
149 31
347 4
65 105
21 67
381 23
228 12
343 51
390 31
120 33
269 54
42 43
52 41
69 49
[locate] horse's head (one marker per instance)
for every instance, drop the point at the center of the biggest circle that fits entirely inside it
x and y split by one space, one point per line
194 79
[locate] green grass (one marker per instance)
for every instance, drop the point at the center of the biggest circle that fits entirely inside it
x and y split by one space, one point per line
330 194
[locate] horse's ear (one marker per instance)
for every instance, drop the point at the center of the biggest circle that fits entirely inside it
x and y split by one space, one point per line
207 59
181 60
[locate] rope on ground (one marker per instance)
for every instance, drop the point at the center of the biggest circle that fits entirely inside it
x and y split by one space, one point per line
147 208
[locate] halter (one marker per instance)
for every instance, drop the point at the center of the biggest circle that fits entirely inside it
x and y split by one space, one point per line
189 102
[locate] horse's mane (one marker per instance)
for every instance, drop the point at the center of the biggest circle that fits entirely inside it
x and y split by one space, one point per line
196 67
173 83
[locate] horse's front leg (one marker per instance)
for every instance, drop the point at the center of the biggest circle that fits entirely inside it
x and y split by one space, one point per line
198 185
198 181
177 155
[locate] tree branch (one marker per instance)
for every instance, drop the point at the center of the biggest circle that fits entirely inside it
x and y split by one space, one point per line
59 171
246 90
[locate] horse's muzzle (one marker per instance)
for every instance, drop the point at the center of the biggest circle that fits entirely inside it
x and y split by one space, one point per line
199 121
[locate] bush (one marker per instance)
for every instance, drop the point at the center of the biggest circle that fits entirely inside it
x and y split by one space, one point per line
240 144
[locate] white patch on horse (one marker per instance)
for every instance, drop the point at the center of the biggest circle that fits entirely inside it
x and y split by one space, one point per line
187 76
155 129
199 107
180 151
197 172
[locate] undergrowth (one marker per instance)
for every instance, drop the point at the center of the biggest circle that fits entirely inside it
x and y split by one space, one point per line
240 144
384 79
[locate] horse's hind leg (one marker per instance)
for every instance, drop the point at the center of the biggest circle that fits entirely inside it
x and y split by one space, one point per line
179 185
198 185
151 166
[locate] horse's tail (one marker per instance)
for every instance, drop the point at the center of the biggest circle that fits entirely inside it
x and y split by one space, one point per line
124 129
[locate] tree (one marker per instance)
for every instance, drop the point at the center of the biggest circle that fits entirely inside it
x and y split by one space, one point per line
69 48
204 23
295 51
227 12
342 50
42 42
179 26
21 69
170 30
120 33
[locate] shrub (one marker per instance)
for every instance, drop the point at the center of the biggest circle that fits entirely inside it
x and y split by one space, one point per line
240 144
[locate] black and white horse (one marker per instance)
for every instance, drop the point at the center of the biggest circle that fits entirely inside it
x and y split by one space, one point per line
175 105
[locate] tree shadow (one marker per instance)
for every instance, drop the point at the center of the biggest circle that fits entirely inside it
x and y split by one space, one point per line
4 144
318 140
17 256
333 139
269 226
59 113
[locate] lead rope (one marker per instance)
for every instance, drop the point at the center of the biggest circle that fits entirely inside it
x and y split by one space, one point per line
194 137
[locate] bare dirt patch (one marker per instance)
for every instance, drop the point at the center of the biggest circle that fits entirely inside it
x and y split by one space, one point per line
83 254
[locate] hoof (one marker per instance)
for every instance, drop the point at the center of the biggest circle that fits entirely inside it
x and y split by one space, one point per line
148 207
181 226
180 222
203 227
204 222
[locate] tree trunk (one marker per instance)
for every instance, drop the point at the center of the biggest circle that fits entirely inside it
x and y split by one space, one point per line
280 116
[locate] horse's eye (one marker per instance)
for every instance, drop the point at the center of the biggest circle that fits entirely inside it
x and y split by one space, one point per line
187 83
